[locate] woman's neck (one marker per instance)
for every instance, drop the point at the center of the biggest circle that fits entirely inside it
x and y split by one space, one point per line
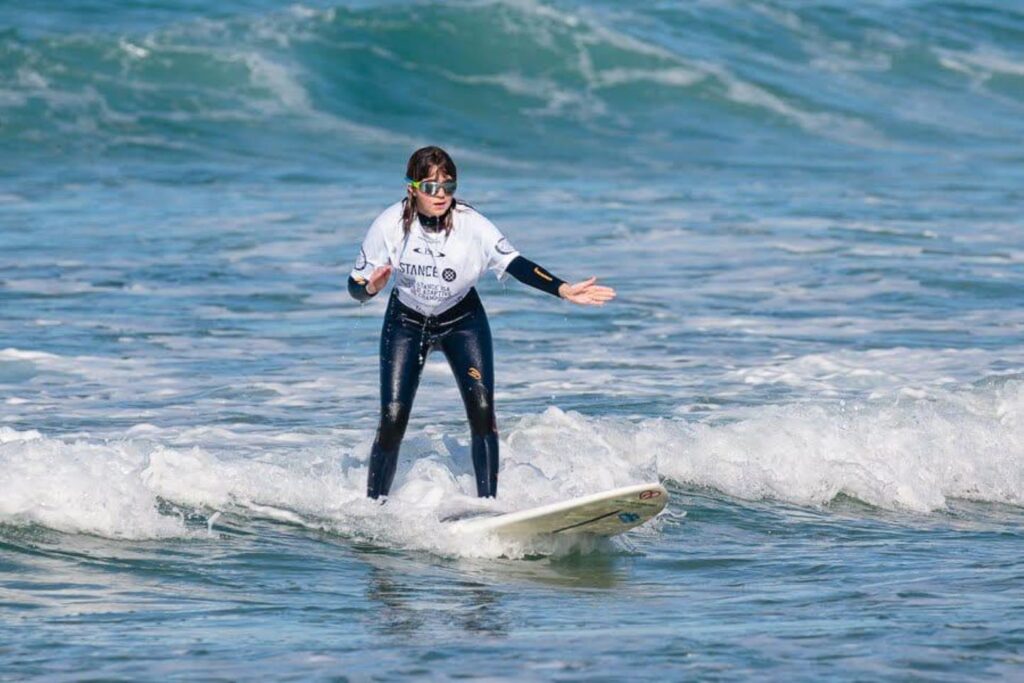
431 223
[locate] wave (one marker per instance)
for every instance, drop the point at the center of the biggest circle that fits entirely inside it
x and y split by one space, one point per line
900 453
903 453
493 74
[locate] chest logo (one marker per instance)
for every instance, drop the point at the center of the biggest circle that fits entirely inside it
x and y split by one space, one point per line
448 274
427 251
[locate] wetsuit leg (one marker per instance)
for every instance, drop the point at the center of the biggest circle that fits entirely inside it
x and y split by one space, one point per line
470 355
401 363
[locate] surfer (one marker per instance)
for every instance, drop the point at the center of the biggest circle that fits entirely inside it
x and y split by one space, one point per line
438 247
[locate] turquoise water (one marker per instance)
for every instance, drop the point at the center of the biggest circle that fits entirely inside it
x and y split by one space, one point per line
811 213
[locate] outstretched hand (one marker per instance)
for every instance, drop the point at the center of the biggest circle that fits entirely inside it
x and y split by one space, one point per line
378 279
586 293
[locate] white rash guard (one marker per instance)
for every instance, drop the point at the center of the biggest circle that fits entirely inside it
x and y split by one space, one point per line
434 271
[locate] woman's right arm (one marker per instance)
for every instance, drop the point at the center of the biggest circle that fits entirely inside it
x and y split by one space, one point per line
373 265
363 289
357 288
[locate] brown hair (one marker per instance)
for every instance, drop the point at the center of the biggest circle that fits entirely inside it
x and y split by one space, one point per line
421 163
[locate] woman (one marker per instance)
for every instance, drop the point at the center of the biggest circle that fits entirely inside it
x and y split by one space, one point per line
439 247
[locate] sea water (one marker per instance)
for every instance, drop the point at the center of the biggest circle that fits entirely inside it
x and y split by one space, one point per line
811 213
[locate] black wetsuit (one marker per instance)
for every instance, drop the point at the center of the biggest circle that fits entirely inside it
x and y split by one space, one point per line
464 336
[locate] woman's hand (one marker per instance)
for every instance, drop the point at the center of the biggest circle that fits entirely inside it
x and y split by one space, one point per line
378 279
586 293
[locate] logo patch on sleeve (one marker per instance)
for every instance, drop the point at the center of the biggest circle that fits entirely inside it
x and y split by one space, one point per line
504 246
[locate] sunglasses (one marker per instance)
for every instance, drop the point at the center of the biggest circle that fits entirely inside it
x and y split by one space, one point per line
433 187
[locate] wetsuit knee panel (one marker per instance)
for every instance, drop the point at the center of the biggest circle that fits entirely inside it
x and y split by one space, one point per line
395 413
480 410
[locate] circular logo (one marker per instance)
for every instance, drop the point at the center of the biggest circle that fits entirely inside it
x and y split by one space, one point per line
504 246
361 260
448 274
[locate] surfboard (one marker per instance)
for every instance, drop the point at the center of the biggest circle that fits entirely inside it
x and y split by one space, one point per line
608 513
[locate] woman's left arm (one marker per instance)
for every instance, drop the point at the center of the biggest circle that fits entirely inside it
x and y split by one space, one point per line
585 293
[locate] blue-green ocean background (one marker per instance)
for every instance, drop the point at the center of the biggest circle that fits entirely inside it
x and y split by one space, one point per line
812 213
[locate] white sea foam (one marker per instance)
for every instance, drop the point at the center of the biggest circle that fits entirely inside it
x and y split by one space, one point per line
110 371
558 99
8 435
113 488
904 453
837 126
909 450
49 287
79 487
674 76
873 374
279 79
981 63
133 50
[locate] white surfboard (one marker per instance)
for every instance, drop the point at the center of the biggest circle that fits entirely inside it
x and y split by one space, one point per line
602 514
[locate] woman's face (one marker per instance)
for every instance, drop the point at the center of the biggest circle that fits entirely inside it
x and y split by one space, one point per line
433 206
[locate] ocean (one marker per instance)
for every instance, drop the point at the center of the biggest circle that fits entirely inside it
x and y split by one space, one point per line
811 212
